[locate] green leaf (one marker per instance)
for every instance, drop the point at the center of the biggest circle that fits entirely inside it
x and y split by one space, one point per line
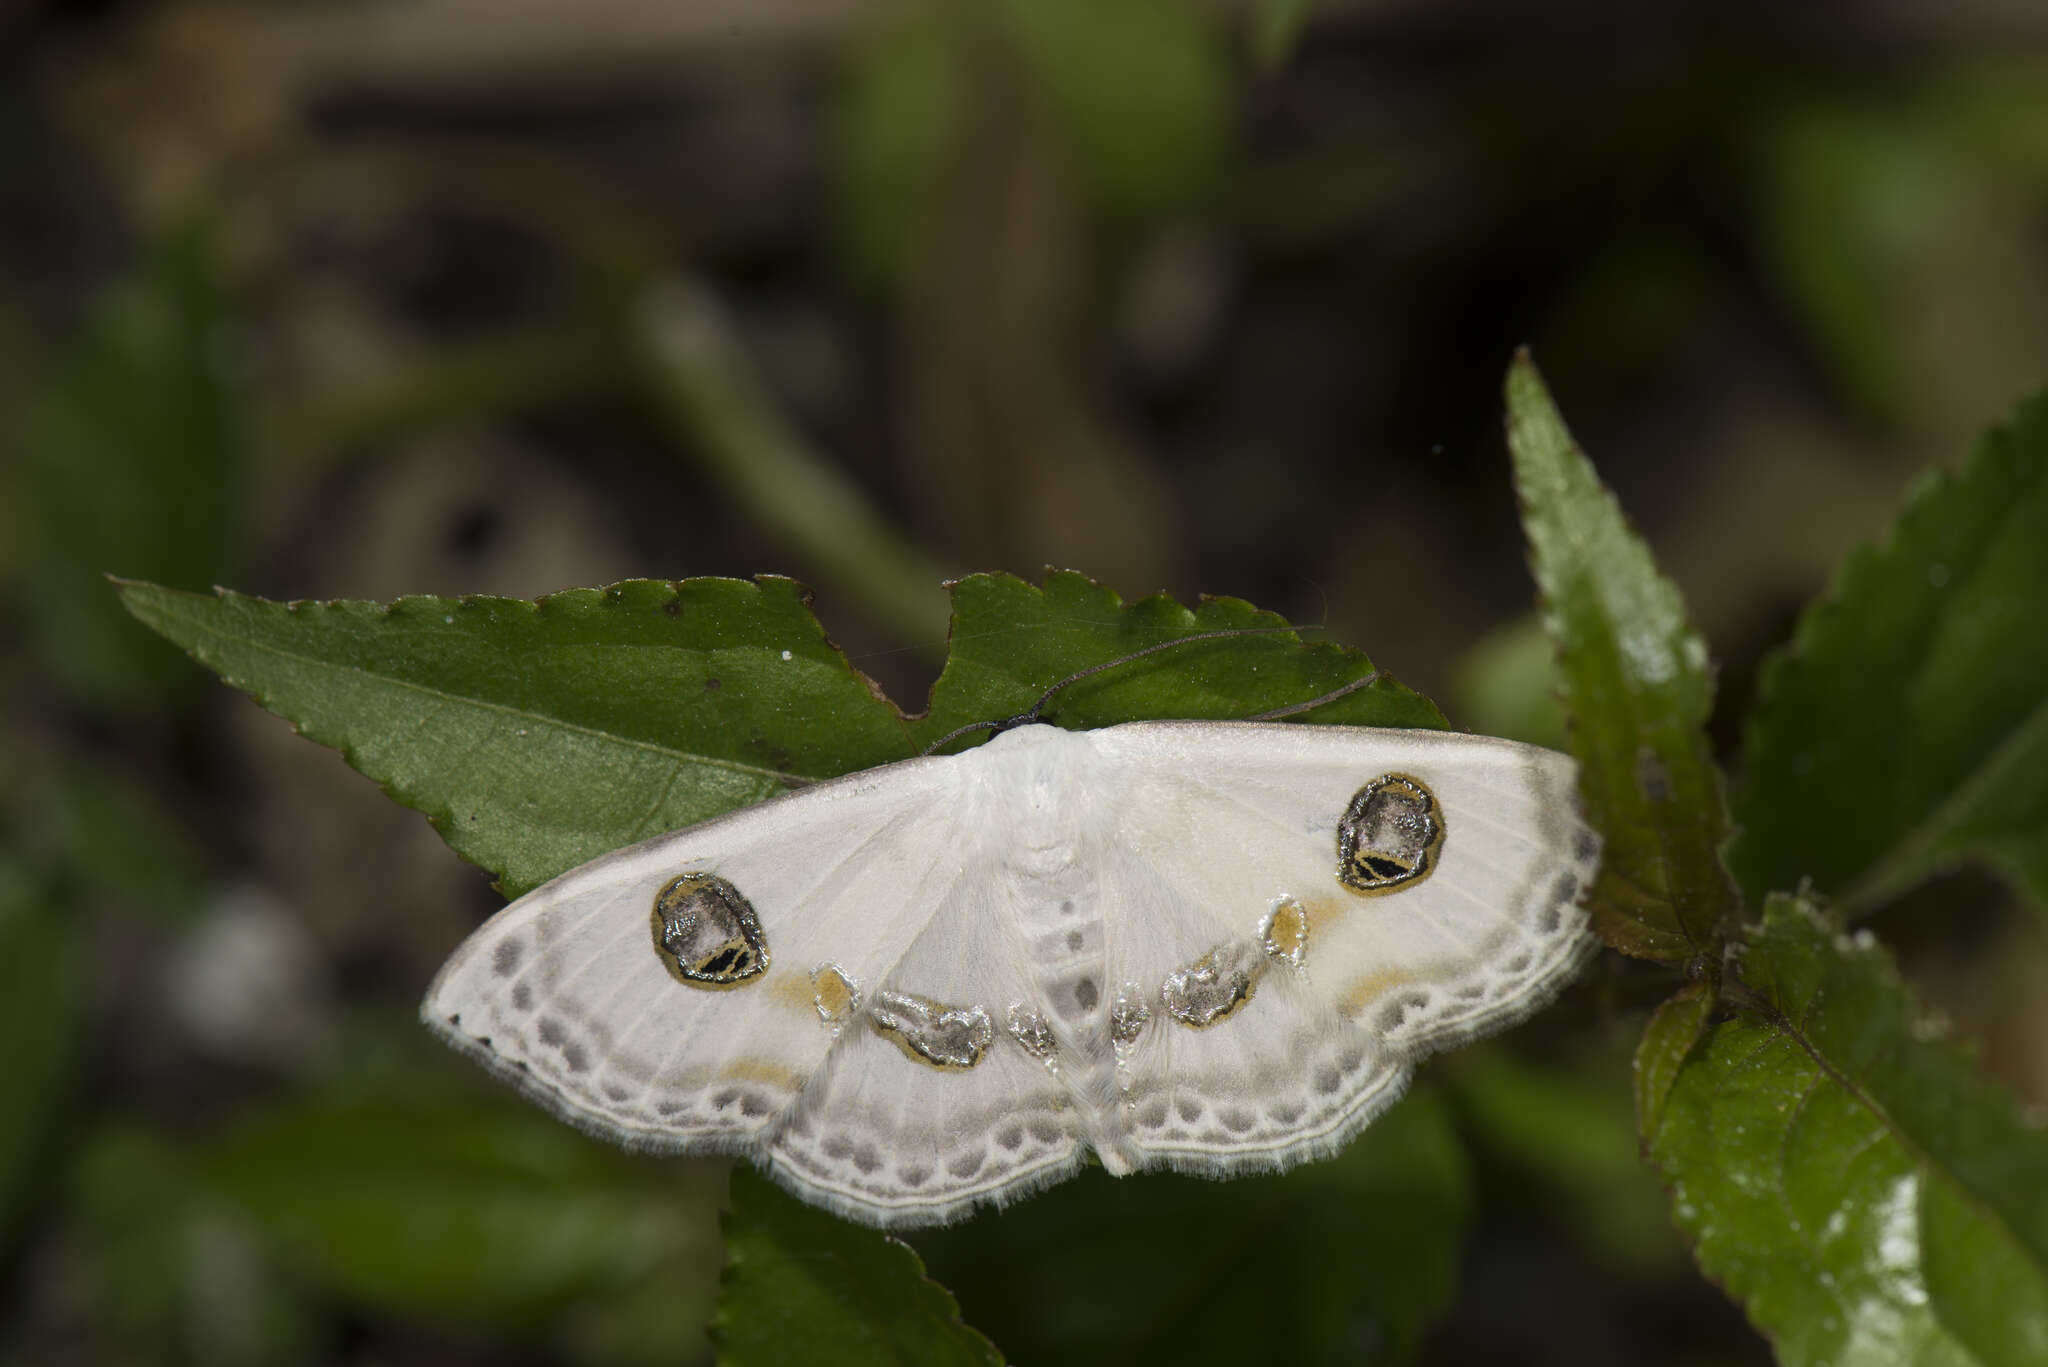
804 1286
1668 1039
485 1213
537 736
1907 727
1012 640
1637 690
1347 1260
1847 1176
133 456
540 735
41 1016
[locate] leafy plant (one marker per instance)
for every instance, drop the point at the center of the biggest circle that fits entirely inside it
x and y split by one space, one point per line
1848 1176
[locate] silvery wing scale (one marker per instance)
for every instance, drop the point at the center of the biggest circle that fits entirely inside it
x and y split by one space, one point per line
1219 947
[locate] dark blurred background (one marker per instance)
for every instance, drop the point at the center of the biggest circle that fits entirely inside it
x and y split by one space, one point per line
328 298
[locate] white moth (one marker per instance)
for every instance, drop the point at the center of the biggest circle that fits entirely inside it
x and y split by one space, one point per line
1219 947
1203 945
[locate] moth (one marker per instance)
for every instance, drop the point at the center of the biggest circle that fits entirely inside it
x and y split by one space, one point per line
1218 947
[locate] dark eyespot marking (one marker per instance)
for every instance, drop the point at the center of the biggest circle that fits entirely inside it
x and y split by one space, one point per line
1390 836
706 934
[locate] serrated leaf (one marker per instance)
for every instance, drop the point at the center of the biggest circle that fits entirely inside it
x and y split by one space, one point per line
1637 689
492 1214
1907 726
1012 640
1850 1178
538 735
804 1286
1347 1260
133 457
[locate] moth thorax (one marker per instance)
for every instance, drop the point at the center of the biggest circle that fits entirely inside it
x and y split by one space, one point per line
1390 835
706 934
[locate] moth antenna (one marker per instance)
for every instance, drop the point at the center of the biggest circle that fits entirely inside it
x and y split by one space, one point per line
1032 713
1313 703
964 730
